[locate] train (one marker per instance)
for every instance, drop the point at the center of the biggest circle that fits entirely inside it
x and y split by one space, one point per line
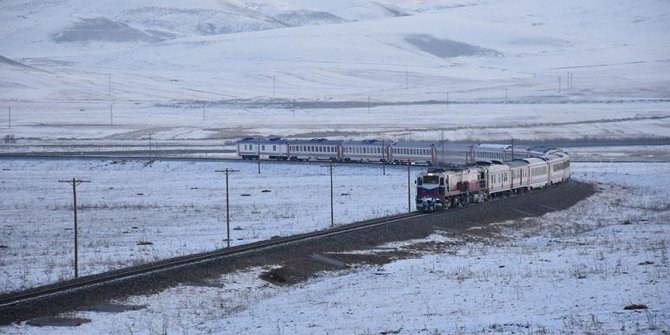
458 175
443 188
430 153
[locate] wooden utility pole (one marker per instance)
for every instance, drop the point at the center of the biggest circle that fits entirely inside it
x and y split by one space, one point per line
75 182
383 157
227 172
409 197
332 211
258 150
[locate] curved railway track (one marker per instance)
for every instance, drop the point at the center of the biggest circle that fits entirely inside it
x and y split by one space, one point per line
71 294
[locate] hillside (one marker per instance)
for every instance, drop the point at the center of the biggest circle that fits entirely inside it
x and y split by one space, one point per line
395 50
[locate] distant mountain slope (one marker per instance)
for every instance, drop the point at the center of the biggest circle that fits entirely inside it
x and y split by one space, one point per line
349 49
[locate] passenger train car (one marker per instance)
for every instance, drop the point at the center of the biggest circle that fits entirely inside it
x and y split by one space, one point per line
445 188
392 152
468 173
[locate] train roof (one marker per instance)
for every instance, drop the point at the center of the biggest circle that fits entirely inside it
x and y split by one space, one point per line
541 149
413 144
517 163
534 160
316 141
271 140
364 142
449 145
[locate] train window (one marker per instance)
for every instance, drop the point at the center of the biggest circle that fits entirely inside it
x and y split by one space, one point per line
442 181
274 148
263 147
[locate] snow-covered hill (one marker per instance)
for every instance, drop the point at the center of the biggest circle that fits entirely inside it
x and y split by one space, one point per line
398 50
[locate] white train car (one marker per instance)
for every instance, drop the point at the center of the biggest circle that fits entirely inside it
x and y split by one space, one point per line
258 148
489 152
315 149
499 179
454 154
519 172
559 163
364 151
538 172
412 152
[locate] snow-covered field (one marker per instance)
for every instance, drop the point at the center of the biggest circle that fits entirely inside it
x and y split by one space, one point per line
177 206
261 67
78 76
572 271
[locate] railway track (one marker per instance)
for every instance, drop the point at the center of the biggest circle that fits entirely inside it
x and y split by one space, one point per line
13 301
91 290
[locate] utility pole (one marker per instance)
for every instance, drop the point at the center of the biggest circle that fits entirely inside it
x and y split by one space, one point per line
227 172
75 182
409 197
258 150
332 211
383 157
443 159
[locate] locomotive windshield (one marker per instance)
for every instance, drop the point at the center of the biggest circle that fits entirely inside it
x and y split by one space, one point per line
428 179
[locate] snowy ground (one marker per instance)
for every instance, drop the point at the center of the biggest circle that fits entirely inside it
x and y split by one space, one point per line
569 271
158 67
202 74
177 206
